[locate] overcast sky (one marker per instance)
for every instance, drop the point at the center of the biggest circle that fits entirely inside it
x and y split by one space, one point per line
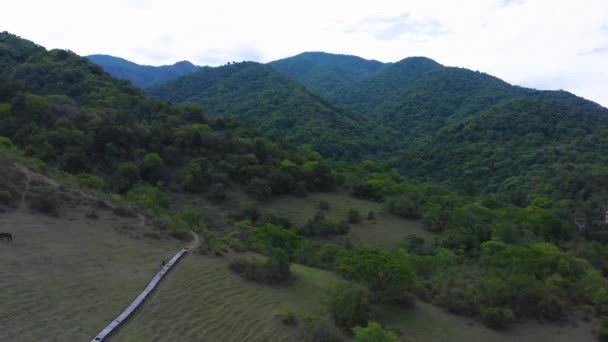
545 44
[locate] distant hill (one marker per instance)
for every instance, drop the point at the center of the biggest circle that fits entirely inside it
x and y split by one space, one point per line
142 75
326 73
416 95
278 106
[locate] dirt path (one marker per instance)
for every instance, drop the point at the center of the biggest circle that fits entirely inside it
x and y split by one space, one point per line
28 179
195 242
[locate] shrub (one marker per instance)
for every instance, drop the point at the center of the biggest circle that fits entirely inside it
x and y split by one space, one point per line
318 226
324 330
217 192
497 318
46 202
6 143
354 216
274 271
404 206
371 215
259 188
324 205
91 181
603 331
373 332
288 318
349 304
123 212
149 197
6 198
92 214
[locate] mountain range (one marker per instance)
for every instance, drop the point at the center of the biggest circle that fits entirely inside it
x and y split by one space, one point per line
428 120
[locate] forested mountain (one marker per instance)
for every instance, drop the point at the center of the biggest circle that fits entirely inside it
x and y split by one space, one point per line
278 106
142 75
66 111
326 73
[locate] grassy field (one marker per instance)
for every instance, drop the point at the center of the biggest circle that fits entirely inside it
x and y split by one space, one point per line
202 300
63 279
387 231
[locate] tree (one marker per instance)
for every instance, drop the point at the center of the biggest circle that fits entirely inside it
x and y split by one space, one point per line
373 332
349 304
259 188
152 167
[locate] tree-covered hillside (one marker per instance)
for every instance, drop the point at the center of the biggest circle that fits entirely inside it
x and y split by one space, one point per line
528 150
142 75
278 106
326 73
65 110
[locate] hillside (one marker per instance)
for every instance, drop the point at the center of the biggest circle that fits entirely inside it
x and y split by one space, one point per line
527 149
326 73
142 75
277 106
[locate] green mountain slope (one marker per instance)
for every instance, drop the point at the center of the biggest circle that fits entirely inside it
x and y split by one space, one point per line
65 110
326 73
278 106
142 75
528 150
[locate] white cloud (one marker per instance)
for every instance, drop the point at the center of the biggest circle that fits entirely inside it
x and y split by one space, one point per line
559 44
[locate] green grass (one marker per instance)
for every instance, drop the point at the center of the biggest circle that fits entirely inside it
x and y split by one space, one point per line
387 231
430 323
202 300
65 278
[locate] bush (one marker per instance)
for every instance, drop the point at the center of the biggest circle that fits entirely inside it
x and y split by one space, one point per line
274 271
603 331
46 202
324 330
92 214
404 206
259 188
324 205
318 226
91 181
149 197
497 318
371 215
123 212
217 192
373 332
288 318
349 304
354 216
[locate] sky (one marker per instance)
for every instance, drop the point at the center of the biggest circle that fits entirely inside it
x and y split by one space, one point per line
543 44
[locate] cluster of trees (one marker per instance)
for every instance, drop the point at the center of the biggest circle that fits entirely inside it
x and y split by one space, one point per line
66 111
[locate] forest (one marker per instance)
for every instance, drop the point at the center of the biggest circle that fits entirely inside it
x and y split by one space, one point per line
496 173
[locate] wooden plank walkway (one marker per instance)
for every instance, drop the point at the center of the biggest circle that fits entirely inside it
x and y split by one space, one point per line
142 296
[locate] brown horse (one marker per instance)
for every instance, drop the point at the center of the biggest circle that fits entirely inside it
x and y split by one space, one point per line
6 236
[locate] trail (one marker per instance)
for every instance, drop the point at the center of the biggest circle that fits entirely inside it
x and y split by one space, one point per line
107 330
28 179
195 241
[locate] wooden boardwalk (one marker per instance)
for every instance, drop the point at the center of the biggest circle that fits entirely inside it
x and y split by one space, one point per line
142 296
